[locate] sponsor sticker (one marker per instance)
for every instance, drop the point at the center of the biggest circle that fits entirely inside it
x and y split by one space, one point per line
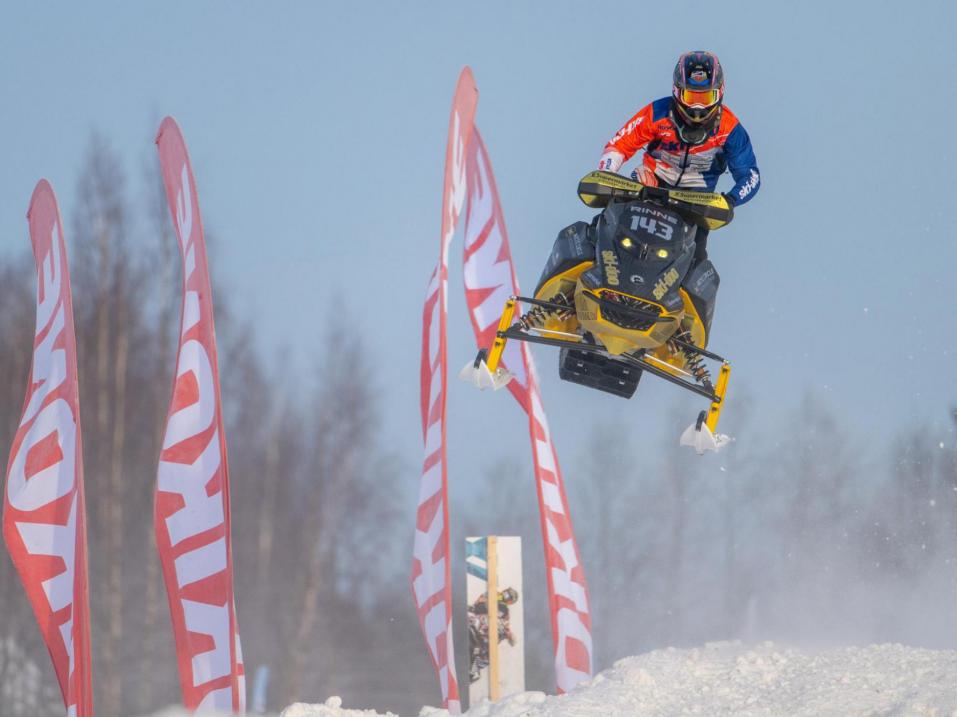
610 261
665 283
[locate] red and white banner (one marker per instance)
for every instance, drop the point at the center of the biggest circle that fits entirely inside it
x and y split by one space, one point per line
191 513
44 511
431 574
489 281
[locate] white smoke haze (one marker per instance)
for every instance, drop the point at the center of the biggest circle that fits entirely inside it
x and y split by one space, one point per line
812 542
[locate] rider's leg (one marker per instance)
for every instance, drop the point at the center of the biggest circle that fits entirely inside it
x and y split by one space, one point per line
701 283
701 245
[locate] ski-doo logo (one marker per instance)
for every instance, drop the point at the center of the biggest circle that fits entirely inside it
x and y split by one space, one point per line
750 185
611 266
665 283
636 279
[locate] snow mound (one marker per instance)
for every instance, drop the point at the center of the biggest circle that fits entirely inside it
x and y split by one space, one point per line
332 707
728 678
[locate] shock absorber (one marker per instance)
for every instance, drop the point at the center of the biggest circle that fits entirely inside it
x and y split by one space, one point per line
536 317
694 362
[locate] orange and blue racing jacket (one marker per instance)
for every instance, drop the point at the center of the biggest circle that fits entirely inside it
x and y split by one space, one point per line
678 164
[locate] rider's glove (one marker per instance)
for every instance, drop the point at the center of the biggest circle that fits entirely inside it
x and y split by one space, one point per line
645 176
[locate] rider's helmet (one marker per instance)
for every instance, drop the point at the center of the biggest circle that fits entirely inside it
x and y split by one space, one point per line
698 88
509 596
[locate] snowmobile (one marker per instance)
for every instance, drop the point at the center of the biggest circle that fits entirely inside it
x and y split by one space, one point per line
622 296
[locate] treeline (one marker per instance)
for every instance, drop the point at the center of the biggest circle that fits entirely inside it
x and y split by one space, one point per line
797 532
313 488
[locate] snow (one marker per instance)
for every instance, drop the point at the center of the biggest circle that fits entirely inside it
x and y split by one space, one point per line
731 678
331 708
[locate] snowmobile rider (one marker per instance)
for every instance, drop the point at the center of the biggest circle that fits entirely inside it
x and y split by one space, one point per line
506 597
690 139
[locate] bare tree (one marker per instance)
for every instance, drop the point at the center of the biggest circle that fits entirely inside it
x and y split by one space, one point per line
344 514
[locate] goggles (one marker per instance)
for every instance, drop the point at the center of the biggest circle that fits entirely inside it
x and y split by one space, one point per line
698 98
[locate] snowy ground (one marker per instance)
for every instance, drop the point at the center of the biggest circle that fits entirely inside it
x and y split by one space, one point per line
733 679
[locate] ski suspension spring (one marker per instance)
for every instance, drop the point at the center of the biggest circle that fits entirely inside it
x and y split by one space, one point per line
538 315
694 362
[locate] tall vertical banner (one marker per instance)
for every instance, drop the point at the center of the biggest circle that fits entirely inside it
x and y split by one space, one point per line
489 281
493 576
44 510
191 511
431 569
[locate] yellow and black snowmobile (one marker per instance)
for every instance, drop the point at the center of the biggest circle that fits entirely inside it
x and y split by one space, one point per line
622 296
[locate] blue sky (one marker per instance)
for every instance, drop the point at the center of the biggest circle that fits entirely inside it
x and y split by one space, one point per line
317 133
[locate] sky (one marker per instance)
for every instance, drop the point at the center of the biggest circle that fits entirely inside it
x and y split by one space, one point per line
317 133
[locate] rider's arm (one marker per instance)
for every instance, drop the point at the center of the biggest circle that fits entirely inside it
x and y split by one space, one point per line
743 166
637 132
